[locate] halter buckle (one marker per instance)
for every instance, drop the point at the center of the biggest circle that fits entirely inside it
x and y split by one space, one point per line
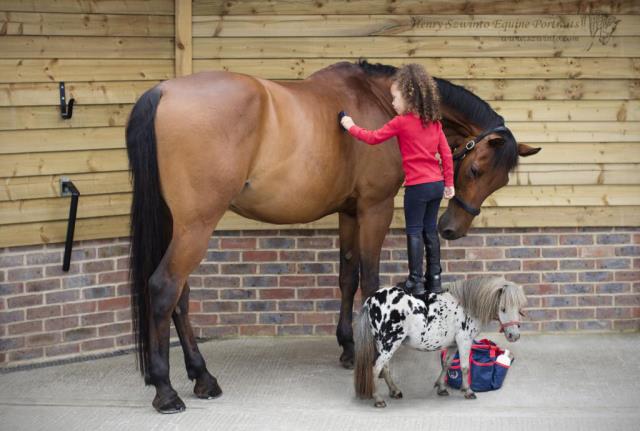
469 146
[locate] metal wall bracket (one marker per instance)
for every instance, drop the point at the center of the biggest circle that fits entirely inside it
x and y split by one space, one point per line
66 111
67 188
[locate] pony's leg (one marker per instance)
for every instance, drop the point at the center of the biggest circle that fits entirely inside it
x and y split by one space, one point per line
374 221
382 362
464 347
394 390
378 366
349 277
166 284
206 385
442 389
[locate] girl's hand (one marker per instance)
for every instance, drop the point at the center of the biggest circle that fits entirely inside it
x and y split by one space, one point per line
347 122
449 192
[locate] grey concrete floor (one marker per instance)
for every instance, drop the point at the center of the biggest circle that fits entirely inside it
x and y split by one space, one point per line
557 382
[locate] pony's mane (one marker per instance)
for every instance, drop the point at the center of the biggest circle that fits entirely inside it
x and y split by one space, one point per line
482 297
464 101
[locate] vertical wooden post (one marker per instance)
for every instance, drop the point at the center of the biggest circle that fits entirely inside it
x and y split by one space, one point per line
183 45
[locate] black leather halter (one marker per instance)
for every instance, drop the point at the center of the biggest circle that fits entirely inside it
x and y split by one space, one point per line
457 160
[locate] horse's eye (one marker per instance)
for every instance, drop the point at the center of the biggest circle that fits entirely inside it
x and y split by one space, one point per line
475 172
504 310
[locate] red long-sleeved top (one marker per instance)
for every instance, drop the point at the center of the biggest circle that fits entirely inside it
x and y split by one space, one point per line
418 146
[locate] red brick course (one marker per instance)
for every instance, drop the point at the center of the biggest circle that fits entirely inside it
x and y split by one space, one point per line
278 283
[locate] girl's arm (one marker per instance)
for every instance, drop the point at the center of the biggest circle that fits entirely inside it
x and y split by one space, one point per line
446 157
373 137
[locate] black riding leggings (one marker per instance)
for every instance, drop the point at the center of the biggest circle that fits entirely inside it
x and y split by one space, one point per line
421 203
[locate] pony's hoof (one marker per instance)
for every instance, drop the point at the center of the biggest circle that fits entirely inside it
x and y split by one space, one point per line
207 388
470 396
346 360
174 405
443 392
396 395
380 404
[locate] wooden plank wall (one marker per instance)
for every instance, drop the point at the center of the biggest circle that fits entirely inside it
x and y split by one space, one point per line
565 75
108 53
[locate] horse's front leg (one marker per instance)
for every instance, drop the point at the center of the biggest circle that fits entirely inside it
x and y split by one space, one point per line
349 278
464 347
442 389
374 221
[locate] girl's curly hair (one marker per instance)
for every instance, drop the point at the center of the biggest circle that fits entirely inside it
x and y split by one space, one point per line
420 91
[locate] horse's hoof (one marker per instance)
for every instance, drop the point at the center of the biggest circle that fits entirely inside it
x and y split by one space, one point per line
346 360
396 395
470 396
443 392
380 404
174 405
207 388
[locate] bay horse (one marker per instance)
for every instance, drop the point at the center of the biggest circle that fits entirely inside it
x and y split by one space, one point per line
273 151
451 320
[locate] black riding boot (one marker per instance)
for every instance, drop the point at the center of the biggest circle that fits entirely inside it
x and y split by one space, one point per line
432 246
415 250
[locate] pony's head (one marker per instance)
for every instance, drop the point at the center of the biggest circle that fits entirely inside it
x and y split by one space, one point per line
492 298
512 301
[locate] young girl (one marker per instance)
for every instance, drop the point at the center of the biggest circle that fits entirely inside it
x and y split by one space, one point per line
420 137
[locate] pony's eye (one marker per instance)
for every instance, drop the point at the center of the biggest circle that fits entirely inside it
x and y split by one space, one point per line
474 171
504 310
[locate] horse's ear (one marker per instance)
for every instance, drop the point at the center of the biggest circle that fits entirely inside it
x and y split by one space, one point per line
524 150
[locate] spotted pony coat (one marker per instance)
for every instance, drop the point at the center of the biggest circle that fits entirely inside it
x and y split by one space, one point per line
391 317
397 317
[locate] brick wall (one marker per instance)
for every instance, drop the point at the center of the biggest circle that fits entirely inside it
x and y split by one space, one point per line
285 283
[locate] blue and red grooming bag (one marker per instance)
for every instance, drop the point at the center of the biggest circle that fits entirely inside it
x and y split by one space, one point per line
485 373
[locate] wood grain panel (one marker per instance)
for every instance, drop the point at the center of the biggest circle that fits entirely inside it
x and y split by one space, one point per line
65 24
411 25
55 70
145 7
64 163
24 47
432 7
382 46
85 93
33 141
48 117
447 67
118 226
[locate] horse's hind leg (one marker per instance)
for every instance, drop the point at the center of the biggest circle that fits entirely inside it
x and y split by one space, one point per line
206 385
348 280
166 285
442 389
394 391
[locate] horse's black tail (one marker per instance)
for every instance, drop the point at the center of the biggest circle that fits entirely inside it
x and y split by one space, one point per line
150 217
365 355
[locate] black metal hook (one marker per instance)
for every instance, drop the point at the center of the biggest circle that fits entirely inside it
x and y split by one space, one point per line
65 111
67 188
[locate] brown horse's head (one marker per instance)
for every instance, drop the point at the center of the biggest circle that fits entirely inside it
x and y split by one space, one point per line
484 150
484 153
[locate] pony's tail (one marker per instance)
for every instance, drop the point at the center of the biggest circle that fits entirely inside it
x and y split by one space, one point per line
150 217
365 355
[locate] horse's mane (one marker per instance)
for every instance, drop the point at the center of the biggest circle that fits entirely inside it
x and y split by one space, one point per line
482 297
464 101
